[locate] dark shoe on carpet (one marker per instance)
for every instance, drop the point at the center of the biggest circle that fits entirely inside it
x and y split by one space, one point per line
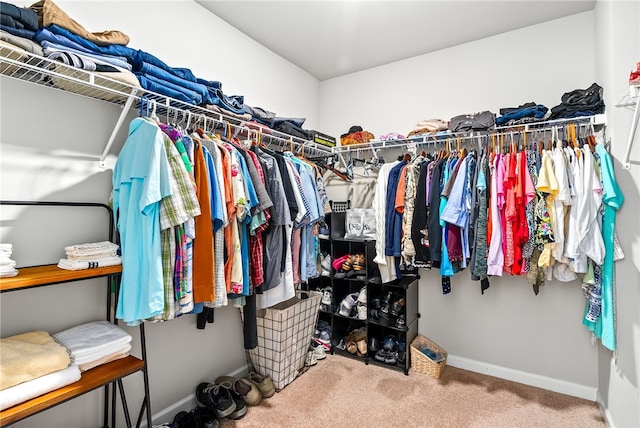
241 407
205 418
216 398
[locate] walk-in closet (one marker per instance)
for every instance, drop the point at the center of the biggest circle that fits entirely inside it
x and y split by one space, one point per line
283 214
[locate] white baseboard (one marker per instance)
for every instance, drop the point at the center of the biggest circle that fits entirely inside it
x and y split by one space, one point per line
605 411
187 403
551 384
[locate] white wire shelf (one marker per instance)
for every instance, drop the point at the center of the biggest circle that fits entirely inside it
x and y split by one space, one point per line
452 137
21 65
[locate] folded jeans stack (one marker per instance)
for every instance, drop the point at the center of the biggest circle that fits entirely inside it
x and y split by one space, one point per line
91 256
529 112
18 21
7 265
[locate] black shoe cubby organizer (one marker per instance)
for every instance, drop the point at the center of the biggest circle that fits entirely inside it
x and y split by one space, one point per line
402 292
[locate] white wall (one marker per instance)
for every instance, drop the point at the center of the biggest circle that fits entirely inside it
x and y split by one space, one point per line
509 327
618 51
45 138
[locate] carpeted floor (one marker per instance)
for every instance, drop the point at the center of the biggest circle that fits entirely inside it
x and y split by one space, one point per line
344 392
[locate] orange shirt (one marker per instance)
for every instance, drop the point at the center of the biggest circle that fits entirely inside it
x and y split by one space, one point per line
203 260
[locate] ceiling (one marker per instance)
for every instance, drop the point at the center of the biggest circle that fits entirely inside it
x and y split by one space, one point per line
332 38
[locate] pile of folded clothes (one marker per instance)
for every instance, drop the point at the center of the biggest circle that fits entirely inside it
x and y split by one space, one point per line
46 30
7 265
579 102
523 114
90 256
428 126
36 362
32 364
95 343
356 135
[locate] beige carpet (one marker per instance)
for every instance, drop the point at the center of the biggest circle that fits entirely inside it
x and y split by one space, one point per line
344 392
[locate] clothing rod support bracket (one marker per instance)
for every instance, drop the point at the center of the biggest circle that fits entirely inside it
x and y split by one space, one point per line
123 114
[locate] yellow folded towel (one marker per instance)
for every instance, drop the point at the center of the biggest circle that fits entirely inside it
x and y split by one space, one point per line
28 356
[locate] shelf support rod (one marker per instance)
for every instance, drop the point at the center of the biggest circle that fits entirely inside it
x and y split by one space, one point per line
632 134
123 114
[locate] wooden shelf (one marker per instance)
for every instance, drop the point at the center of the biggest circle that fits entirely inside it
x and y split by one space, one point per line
52 274
91 379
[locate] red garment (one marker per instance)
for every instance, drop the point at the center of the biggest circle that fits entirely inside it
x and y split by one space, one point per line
256 245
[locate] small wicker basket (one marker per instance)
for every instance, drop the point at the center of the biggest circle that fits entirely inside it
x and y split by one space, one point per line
420 363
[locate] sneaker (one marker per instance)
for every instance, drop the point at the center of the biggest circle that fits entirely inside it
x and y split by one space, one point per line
326 265
310 359
362 311
381 355
327 296
325 336
347 304
263 383
216 398
319 352
241 407
323 231
391 358
205 418
362 296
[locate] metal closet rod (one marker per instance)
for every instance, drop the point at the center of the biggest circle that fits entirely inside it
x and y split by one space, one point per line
432 139
203 115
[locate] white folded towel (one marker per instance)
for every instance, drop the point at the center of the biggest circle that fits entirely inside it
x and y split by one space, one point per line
41 385
6 261
94 339
89 264
104 360
6 247
84 358
90 248
103 255
8 274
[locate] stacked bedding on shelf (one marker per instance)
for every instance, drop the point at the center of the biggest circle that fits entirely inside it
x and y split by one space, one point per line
35 363
32 364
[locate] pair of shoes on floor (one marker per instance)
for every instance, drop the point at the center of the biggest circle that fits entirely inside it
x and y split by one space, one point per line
243 387
200 417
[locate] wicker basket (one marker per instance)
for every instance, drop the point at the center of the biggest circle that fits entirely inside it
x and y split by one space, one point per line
420 363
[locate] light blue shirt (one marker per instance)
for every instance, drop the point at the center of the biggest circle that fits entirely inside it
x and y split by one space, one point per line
140 181
612 199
